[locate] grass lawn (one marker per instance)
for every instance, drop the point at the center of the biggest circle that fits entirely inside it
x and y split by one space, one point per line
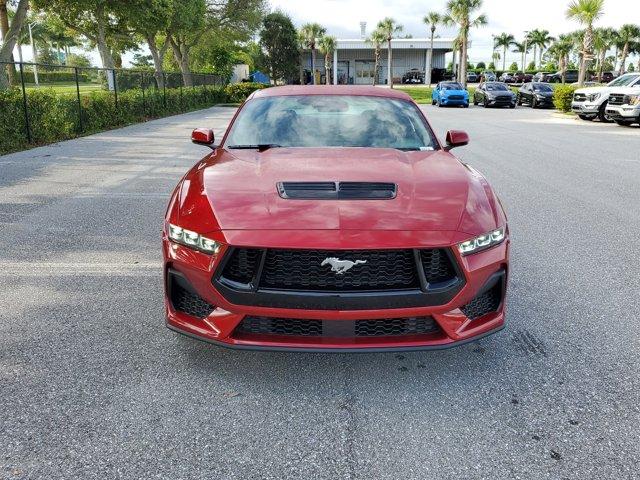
66 87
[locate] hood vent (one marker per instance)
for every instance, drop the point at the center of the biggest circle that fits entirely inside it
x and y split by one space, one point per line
337 190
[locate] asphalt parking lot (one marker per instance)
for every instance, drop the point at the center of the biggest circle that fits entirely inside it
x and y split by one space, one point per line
92 385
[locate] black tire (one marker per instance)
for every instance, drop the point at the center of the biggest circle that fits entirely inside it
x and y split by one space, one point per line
485 104
512 105
623 123
439 104
602 116
534 102
433 102
475 101
587 118
466 105
518 100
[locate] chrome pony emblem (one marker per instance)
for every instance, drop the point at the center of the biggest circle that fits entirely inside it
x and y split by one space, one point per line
340 266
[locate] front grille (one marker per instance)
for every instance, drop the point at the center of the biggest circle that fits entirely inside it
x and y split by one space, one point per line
617 99
484 303
338 279
579 97
384 327
373 270
455 97
187 301
243 265
504 98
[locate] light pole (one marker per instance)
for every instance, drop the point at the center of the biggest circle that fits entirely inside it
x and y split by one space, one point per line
34 53
524 54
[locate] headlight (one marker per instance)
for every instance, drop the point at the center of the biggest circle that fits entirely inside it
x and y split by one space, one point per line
593 97
481 242
192 239
634 100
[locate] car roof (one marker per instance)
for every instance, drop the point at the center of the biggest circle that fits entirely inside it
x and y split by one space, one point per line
368 91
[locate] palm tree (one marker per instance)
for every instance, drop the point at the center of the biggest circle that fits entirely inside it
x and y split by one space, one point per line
390 28
603 39
432 19
504 40
522 49
560 51
377 38
541 39
310 32
585 12
327 45
461 12
628 35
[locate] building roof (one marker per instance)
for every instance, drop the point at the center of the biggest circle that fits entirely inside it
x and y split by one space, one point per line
363 90
398 43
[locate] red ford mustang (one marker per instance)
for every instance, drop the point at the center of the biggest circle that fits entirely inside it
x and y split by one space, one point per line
332 219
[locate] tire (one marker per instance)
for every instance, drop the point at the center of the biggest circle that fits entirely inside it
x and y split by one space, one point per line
466 105
623 123
433 102
518 100
485 104
439 104
512 106
475 101
602 116
585 117
534 103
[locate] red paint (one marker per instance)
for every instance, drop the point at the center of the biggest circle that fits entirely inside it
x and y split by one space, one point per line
231 197
202 136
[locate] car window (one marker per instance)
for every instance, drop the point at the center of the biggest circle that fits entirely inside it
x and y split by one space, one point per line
495 87
623 81
331 121
542 88
451 86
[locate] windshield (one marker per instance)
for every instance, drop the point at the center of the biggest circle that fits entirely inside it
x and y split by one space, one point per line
494 87
451 86
623 81
542 88
330 121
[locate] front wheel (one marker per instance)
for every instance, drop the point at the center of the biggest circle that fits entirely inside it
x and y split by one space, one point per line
534 103
512 105
475 101
485 103
602 116
439 104
433 102
519 100
624 123
585 117
466 105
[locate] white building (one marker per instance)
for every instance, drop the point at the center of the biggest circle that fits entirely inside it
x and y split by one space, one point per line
355 60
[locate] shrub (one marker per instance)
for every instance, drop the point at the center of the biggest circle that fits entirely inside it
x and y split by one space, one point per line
238 92
55 77
562 96
54 116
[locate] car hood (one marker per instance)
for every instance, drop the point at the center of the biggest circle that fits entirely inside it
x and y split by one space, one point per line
545 94
625 90
453 92
590 90
434 191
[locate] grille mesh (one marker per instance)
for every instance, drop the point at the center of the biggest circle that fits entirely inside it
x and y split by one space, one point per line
437 266
616 99
188 302
242 265
485 303
303 270
347 328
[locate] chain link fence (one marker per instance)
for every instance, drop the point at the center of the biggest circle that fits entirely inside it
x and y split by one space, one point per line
82 100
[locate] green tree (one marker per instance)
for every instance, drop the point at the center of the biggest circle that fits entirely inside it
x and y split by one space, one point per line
310 33
603 40
10 35
504 40
559 51
376 38
628 35
462 13
539 39
390 28
492 66
327 45
78 60
481 66
279 42
513 67
432 19
585 12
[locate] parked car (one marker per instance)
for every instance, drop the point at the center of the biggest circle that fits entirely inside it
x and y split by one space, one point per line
488 76
541 77
449 93
494 94
607 77
536 94
257 253
570 77
506 77
520 77
472 77
590 103
413 76
624 105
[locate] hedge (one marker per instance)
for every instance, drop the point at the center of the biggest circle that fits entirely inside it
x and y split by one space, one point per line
54 116
562 97
56 77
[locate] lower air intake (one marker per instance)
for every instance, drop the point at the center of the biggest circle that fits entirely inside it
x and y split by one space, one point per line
484 303
185 300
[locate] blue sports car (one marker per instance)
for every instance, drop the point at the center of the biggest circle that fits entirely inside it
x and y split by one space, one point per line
449 93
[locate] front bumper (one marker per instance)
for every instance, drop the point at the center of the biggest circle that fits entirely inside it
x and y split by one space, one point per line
481 271
448 101
626 113
585 108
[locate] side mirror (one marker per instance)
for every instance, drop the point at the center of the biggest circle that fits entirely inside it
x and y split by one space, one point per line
456 138
202 136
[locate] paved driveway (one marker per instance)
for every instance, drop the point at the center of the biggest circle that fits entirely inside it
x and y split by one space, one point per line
93 386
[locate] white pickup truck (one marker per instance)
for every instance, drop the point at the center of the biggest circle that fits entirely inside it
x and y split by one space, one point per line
624 105
590 103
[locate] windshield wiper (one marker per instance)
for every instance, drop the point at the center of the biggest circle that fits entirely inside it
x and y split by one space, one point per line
261 147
